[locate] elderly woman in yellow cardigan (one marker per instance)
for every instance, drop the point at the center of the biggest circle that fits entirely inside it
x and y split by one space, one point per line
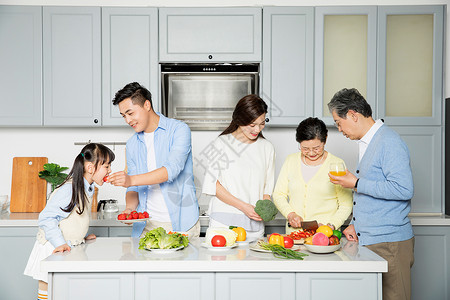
303 191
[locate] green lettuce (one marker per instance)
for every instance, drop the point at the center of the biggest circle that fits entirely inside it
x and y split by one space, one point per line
158 238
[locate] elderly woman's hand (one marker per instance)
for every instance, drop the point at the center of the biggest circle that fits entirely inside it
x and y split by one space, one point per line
295 220
347 181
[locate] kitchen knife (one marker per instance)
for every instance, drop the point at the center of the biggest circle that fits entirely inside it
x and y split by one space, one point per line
310 225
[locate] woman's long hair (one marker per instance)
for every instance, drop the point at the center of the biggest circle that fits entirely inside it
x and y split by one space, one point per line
97 154
247 110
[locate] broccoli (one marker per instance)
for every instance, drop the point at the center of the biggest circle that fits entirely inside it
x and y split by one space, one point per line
266 210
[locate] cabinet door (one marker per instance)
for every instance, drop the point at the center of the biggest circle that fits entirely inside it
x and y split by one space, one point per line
425 147
210 34
345 39
16 245
99 231
160 286
287 69
92 286
410 64
21 65
120 231
431 269
129 54
72 66
261 286
318 286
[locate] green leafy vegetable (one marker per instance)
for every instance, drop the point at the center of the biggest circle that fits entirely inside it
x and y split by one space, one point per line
53 174
158 238
266 210
281 252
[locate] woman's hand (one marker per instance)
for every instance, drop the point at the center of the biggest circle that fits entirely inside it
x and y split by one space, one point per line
61 249
350 233
249 211
295 220
91 237
120 179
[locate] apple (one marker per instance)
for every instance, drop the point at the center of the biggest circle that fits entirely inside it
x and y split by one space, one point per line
333 240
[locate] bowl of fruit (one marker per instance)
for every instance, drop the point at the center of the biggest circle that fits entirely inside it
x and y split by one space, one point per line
325 240
133 217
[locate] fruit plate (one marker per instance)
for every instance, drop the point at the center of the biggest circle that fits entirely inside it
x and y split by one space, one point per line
133 220
164 251
322 249
209 247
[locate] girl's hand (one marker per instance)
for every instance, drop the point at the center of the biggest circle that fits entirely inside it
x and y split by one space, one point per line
295 220
249 211
61 249
120 179
91 237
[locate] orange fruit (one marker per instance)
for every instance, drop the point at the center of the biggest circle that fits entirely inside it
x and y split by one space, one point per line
325 229
308 240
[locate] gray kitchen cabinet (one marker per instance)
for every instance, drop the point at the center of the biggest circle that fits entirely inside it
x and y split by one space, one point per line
243 286
129 54
111 286
410 64
99 231
120 231
210 34
431 269
345 54
189 286
21 65
16 245
287 67
425 147
72 66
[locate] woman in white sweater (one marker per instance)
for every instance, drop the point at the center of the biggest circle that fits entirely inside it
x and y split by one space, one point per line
240 169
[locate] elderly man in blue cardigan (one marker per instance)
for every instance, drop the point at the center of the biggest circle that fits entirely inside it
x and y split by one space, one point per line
383 188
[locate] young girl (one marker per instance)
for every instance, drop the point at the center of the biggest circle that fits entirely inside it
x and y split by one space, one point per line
64 221
244 170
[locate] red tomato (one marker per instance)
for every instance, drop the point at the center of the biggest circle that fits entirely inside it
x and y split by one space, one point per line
146 214
105 179
129 217
218 241
134 215
288 242
141 215
122 217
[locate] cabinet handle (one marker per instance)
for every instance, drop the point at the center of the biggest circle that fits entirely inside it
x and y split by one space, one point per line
210 56
95 121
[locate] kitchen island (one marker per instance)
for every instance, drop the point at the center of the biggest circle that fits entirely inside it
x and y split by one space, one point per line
114 268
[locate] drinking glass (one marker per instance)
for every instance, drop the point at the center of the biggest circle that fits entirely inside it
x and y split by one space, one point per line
337 169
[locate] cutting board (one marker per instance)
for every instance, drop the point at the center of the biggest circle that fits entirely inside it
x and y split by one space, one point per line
28 191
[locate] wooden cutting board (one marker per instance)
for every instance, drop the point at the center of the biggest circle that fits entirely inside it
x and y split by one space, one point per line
28 191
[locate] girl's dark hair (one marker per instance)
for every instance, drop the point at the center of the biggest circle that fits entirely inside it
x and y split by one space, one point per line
97 154
247 110
310 129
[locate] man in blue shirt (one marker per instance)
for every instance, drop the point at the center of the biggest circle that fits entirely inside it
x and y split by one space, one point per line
160 176
383 188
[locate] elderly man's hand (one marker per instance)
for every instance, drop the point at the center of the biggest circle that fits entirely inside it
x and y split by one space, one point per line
347 181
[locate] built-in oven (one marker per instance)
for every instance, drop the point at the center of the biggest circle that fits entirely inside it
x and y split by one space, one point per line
204 95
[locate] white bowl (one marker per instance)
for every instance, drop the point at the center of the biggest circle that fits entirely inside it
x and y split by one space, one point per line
322 249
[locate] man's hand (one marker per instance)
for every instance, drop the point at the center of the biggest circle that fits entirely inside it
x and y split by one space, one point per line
350 233
120 179
347 181
249 211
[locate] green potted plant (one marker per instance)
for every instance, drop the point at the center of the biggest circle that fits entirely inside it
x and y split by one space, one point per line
53 173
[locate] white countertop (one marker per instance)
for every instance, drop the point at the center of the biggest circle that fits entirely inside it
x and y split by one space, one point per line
99 219
121 254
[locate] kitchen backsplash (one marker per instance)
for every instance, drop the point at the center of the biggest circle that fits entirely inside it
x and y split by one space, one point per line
58 145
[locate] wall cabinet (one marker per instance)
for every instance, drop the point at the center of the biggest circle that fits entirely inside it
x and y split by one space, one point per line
287 68
410 64
345 54
72 66
21 65
210 34
425 147
129 54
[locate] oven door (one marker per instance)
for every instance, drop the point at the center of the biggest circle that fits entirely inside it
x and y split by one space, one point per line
205 101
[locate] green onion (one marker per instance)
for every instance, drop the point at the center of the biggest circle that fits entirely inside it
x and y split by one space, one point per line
281 252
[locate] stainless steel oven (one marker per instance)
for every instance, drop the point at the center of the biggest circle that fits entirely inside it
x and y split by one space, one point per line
204 95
